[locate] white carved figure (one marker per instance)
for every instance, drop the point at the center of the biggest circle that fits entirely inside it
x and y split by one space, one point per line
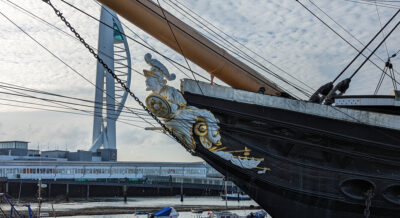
168 103
244 163
179 117
156 83
157 66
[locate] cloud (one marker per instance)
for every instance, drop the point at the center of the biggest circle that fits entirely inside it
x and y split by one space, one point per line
281 31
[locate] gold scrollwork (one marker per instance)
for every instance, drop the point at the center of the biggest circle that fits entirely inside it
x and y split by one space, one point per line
201 129
191 143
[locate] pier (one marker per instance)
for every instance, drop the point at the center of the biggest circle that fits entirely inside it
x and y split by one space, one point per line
66 180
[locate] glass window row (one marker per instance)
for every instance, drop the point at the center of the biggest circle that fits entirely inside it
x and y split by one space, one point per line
108 170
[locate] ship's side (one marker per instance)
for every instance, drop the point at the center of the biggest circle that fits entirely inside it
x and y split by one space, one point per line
314 160
296 159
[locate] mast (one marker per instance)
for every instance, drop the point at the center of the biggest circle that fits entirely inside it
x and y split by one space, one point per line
150 17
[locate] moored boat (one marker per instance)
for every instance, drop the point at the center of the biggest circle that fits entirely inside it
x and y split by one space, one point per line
166 212
235 197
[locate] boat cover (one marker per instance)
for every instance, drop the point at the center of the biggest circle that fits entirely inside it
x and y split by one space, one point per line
163 212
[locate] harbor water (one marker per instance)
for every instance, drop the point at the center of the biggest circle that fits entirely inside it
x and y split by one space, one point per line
143 205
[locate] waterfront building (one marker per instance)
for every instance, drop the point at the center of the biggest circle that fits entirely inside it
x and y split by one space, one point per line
33 170
98 166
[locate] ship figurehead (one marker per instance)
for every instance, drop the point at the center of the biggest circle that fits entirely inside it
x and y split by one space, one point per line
184 120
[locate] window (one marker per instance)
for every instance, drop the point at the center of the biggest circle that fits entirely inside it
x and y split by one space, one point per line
7 145
151 170
117 33
22 145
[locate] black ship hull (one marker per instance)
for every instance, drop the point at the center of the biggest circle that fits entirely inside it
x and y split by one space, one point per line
316 166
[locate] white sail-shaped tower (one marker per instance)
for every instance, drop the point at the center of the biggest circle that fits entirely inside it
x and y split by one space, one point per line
109 98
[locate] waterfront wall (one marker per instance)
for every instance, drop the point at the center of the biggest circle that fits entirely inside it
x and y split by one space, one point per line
65 189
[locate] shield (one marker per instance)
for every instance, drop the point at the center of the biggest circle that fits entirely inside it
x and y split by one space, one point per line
158 105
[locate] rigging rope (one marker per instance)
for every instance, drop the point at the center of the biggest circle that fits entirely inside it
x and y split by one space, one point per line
129 37
61 103
338 35
181 65
95 55
22 88
62 61
20 8
166 129
93 52
11 87
395 54
370 3
348 32
373 52
375 49
137 35
211 49
378 86
380 22
240 53
179 45
170 60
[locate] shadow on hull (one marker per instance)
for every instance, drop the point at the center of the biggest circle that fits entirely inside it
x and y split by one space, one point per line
313 166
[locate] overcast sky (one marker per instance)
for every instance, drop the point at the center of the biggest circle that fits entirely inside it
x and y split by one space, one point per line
282 32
